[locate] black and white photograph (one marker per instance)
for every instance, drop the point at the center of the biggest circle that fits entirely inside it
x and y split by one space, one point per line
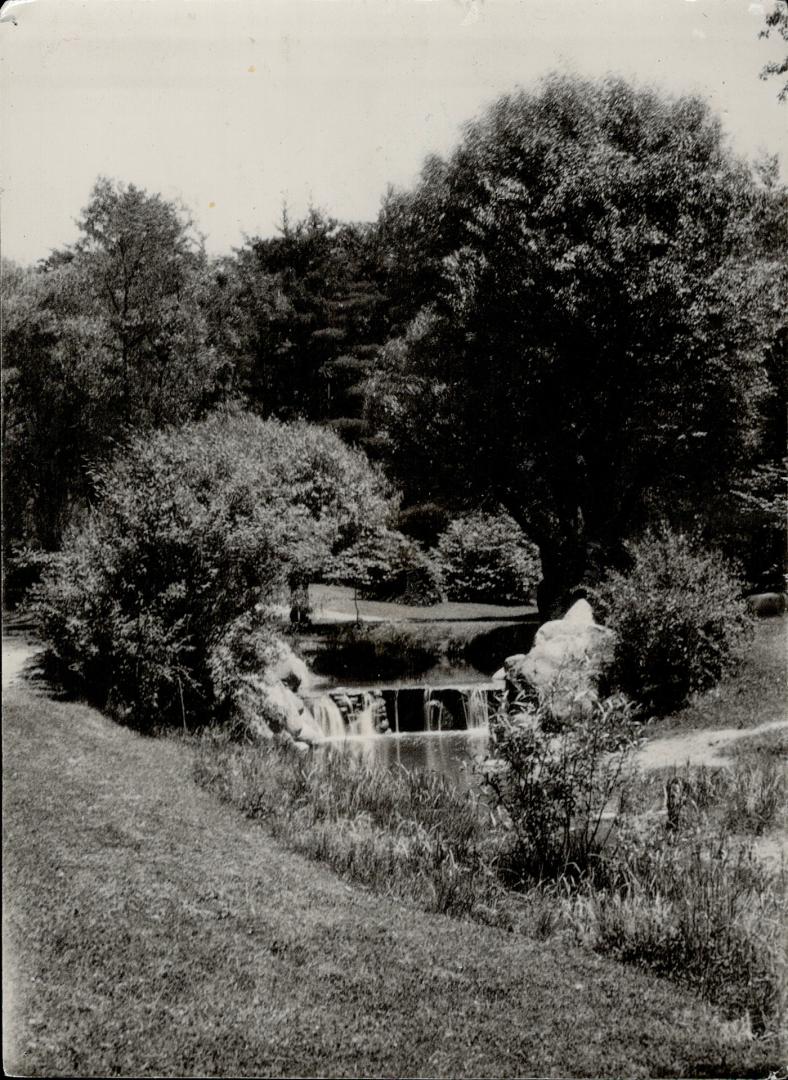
394 538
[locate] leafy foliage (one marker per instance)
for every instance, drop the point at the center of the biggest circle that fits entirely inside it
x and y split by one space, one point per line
679 617
486 557
159 601
777 20
552 788
599 295
106 337
385 565
302 316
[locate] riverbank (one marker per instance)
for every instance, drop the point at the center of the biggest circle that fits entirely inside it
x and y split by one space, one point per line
150 930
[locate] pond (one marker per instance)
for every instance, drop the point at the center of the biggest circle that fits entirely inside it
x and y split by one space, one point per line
438 727
452 754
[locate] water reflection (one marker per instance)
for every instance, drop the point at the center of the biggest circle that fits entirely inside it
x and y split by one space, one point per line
450 753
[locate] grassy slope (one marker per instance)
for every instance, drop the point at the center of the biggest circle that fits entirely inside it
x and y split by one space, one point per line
756 694
149 930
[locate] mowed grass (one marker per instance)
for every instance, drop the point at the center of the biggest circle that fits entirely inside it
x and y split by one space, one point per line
339 599
149 930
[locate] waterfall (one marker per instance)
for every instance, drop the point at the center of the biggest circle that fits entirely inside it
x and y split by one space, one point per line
433 710
476 707
427 710
329 717
363 721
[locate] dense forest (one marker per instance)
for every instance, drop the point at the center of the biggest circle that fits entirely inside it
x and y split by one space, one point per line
577 322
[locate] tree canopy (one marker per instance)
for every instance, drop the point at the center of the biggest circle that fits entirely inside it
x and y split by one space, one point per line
599 287
105 337
302 315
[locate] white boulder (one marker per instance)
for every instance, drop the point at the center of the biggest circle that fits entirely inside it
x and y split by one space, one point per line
565 663
288 668
286 709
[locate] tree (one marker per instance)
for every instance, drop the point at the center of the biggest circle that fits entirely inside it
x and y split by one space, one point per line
777 20
484 558
602 294
307 316
105 337
54 402
163 595
144 269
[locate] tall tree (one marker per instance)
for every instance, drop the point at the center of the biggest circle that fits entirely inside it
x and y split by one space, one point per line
601 297
308 319
105 337
144 269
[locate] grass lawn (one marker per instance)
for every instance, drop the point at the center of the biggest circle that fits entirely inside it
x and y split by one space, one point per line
338 599
756 694
763 746
149 930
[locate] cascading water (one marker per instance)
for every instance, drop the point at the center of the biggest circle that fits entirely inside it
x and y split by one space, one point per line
329 716
402 711
476 707
363 722
433 710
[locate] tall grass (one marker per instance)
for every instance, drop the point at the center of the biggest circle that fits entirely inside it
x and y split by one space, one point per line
409 834
685 902
704 912
748 798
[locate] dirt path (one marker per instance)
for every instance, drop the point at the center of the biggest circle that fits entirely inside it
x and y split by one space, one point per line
701 747
18 651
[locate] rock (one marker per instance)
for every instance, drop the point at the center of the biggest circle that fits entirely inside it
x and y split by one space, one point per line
248 707
765 604
579 614
565 663
288 669
269 708
286 708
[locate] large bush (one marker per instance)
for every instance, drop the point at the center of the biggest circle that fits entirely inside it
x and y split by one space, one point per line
196 530
487 558
385 565
679 616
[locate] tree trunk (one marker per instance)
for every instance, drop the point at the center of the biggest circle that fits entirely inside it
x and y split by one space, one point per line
563 570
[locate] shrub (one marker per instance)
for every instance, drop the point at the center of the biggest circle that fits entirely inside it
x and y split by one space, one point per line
487 558
195 532
553 789
679 616
385 565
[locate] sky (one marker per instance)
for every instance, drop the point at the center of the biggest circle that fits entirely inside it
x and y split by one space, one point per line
237 106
